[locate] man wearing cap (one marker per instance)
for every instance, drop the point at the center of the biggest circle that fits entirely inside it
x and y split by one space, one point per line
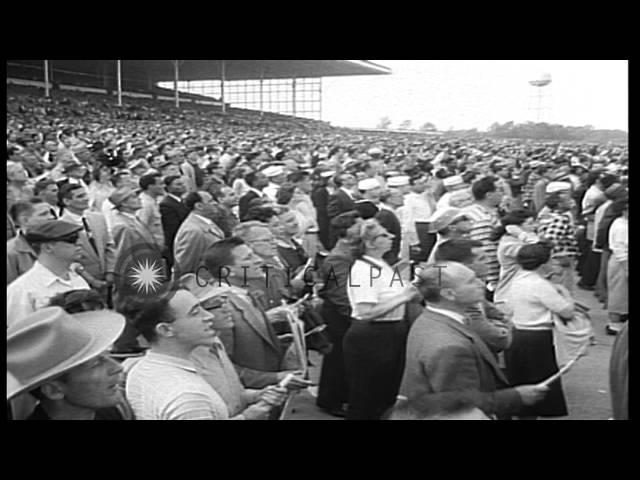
453 183
61 360
98 248
56 244
448 223
277 176
20 255
371 190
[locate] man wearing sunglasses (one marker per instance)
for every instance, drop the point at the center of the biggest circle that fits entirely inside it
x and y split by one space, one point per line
55 243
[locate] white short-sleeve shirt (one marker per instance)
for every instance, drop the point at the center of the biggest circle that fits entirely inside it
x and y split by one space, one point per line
533 301
163 387
374 281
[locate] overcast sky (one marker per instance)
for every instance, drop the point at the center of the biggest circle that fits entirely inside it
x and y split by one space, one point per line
476 93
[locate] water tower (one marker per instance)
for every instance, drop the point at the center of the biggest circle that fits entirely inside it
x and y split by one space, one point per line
540 98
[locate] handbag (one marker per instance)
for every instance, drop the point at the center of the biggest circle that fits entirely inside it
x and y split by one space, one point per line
572 335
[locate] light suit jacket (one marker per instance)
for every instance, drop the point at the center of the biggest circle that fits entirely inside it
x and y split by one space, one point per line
444 355
192 240
100 262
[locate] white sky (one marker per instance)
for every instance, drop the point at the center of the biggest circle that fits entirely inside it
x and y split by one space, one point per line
475 93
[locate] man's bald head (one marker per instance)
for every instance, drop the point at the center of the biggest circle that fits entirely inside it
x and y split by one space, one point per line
450 281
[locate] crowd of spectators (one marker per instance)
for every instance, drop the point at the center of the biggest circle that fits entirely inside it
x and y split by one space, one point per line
436 264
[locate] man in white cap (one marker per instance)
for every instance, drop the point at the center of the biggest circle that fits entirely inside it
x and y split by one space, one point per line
62 360
448 223
453 183
277 176
371 190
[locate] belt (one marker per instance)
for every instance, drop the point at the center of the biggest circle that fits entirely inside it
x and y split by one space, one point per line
373 322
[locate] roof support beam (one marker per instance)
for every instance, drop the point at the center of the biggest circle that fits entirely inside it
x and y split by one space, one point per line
46 78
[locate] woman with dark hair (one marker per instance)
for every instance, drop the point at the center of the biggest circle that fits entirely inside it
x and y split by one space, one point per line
374 345
336 312
534 301
516 229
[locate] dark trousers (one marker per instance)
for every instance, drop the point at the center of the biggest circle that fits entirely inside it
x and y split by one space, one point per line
584 246
427 242
374 355
590 267
332 388
601 282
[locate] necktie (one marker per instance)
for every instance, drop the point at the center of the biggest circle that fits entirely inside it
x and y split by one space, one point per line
92 240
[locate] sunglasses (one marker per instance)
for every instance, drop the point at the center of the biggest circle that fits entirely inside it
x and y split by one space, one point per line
68 239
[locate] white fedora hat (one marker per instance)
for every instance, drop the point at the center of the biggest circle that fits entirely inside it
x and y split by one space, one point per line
50 342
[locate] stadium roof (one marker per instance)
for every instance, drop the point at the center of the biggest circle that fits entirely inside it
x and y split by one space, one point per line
163 70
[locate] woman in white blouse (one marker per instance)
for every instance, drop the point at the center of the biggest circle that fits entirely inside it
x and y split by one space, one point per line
618 272
517 229
535 301
374 345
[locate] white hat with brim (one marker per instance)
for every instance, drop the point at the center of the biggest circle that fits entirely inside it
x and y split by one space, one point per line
444 217
273 171
368 184
398 181
452 181
553 187
50 342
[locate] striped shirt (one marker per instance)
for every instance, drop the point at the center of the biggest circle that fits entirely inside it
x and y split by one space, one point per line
163 387
483 222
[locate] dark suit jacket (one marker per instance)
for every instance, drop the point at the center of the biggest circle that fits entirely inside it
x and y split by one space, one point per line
320 199
172 213
339 203
390 222
446 356
243 203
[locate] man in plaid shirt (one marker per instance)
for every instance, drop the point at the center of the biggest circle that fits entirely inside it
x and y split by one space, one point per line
556 226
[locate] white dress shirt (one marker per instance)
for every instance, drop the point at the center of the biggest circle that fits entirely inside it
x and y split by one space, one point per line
33 290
